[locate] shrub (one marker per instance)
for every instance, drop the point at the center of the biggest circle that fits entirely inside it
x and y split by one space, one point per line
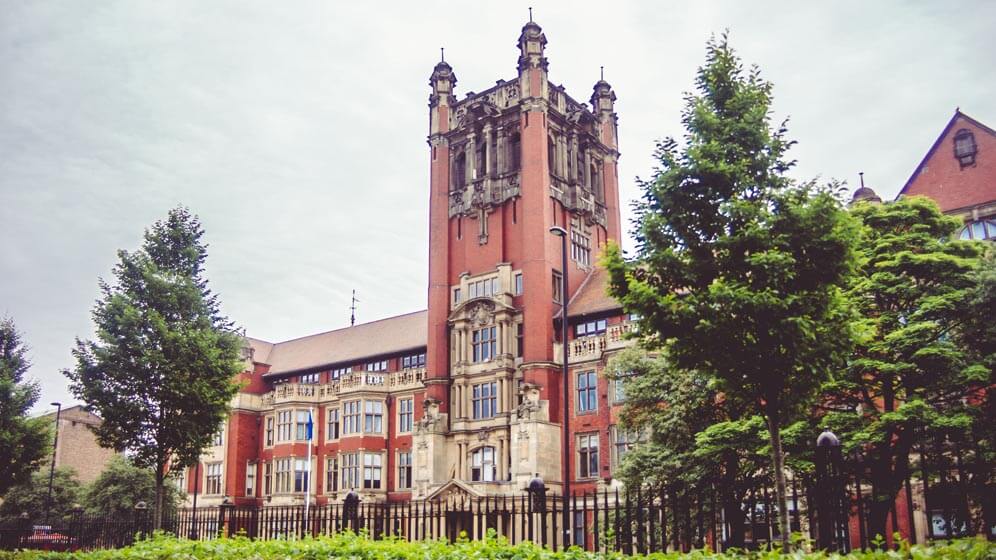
355 547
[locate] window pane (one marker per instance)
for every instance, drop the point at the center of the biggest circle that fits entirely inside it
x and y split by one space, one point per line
978 231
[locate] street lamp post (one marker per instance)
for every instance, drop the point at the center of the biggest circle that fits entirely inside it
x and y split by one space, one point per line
51 470
566 445
197 483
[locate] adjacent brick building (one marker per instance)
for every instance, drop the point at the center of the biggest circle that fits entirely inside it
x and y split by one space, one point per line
959 173
77 447
462 398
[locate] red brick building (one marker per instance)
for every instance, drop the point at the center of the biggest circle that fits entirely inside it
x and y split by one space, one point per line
464 397
959 173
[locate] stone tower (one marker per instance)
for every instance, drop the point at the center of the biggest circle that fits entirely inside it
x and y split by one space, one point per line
506 165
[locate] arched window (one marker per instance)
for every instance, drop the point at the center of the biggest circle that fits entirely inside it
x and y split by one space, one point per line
515 152
596 180
979 230
459 171
551 155
480 168
482 465
579 167
493 154
964 147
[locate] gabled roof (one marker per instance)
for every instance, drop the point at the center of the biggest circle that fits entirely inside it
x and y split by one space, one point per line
958 116
346 346
592 296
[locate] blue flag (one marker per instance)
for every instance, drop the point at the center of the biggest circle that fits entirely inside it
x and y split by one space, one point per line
311 426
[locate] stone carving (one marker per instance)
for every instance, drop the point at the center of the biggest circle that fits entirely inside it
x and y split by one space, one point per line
530 402
482 313
430 419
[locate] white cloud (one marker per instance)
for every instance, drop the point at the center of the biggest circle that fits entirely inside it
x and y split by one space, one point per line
297 131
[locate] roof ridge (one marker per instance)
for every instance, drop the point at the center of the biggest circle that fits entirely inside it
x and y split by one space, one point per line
348 328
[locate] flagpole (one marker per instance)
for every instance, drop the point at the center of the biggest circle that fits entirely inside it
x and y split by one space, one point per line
307 481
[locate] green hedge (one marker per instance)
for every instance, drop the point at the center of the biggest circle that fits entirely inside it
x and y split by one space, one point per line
360 548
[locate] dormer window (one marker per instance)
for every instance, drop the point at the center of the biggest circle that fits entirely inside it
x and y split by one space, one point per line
965 147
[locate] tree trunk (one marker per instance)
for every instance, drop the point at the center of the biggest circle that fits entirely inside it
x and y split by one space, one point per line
733 512
732 501
157 512
778 464
878 516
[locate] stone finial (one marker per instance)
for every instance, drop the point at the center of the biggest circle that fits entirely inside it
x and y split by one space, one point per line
532 43
602 96
442 81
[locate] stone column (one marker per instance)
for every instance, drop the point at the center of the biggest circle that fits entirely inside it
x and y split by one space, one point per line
488 156
471 157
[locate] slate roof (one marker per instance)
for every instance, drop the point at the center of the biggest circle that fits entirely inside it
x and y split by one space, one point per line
346 346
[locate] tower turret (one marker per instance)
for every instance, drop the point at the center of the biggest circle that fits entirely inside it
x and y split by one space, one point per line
603 103
532 43
442 81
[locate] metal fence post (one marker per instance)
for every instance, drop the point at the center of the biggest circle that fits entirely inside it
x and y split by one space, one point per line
140 518
225 517
350 511
536 490
829 491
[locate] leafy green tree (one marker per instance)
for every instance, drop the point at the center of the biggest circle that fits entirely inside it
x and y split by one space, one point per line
161 372
24 441
31 497
694 440
911 371
121 486
978 336
738 271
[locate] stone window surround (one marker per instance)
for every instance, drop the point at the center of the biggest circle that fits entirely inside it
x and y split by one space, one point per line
410 412
506 280
468 443
208 475
577 390
409 465
462 393
469 317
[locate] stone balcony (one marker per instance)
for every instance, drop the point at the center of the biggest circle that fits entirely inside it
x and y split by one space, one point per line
592 347
383 382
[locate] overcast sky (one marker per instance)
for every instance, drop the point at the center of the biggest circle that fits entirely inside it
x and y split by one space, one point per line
296 130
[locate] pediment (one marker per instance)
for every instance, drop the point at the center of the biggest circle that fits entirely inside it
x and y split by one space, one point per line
453 493
479 310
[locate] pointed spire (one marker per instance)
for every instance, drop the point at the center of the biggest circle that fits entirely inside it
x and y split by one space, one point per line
442 54
602 72
530 14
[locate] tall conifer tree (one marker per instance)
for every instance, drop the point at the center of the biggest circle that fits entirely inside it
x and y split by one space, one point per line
161 372
24 441
738 271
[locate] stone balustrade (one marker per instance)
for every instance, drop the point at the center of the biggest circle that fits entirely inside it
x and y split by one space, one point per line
358 381
591 347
